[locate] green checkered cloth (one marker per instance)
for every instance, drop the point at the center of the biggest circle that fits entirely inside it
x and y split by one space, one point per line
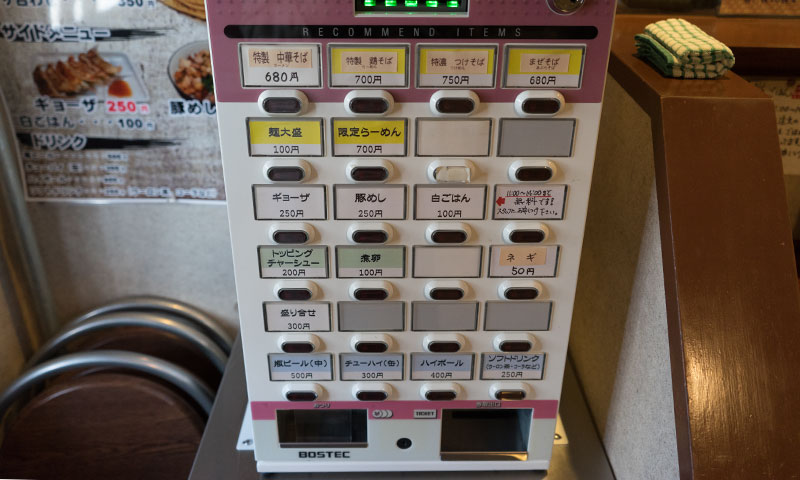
679 49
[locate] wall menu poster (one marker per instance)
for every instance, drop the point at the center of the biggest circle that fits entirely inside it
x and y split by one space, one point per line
111 100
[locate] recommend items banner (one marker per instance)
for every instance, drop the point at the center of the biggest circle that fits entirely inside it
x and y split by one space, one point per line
111 100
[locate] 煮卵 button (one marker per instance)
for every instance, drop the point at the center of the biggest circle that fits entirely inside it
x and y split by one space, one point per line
539 103
283 102
454 102
370 294
366 290
368 102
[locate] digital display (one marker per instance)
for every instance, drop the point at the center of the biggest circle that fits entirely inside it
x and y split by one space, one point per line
410 6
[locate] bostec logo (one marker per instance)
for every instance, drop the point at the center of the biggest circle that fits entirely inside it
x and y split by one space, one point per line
323 454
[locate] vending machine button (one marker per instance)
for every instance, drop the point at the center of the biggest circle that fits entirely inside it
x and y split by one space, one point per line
302 392
532 171
514 342
301 396
448 233
369 174
374 392
368 102
444 342
440 395
525 232
370 294
371 343
539 103
372 396
454 102
284 236
283 102
295 290
520 290
297 347
509 395
446 290
285 174
299 343
451 171
370 236
440 391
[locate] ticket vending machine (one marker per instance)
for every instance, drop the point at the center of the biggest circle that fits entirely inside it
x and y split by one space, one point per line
407 186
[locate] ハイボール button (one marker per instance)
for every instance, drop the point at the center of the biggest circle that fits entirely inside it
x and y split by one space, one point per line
282 102
372 396
290 236
370 294
285 174
509 394
514 345
370 236
440 395
442 293
371 347
301 396
533 174
297 347
368 102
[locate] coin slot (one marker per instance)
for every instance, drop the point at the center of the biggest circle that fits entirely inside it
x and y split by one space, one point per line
533 174
290 236
509 395
370 236
369 174
372 396
317 428
527 236
517 293
515 346
371 347
446 293
297 347
440 395
294 294
499 434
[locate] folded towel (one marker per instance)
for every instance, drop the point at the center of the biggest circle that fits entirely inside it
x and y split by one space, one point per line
679 49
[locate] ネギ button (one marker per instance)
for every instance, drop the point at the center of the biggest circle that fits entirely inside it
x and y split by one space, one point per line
369 105
370 294
446 293
455 105
515 346
372 395
370 236
440 395
283 105
285 174
369 174
301 396
541 106
371 347
290 236
509 394
520 293
533 174
297 347
294 294
449 236
526 236
443 347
